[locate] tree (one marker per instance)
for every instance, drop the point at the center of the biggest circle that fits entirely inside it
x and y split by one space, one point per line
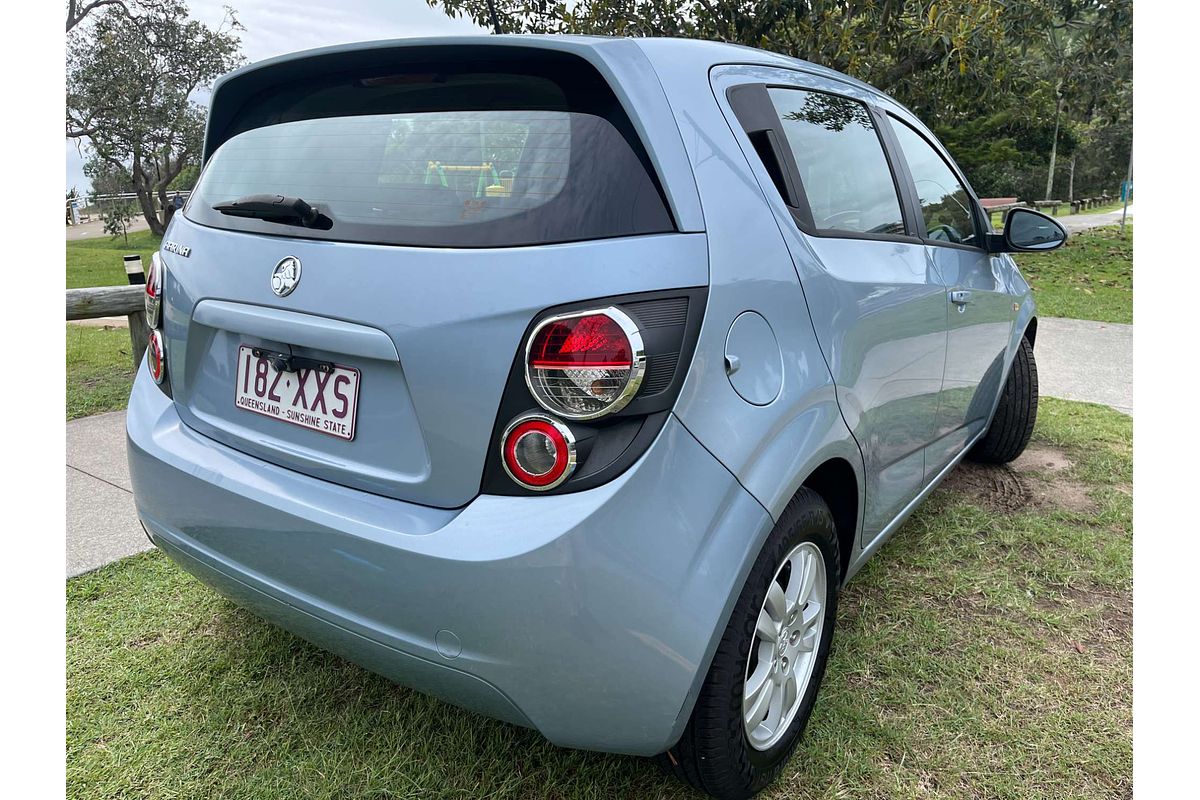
117 214
1015 70
1086 47
129 86
107 178
78 10
185 181
935 57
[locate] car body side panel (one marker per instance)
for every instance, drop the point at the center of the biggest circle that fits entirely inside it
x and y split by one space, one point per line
878 312
976 349
771 448
977 333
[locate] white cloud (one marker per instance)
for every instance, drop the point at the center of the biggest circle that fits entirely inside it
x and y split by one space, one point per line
275 27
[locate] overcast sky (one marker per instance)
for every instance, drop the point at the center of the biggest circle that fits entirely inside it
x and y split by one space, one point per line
274 27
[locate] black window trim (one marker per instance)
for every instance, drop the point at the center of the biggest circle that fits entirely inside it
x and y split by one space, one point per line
914 199
802 214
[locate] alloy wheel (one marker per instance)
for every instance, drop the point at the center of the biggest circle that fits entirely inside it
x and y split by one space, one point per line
784 651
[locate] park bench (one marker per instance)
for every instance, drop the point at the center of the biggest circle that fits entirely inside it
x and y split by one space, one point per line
1001 205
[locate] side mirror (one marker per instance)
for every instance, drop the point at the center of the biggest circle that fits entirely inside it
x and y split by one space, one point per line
1027 230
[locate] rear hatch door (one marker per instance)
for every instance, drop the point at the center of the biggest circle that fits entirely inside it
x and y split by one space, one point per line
461 200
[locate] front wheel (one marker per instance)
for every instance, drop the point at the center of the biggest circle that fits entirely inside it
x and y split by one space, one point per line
1016 413
761 687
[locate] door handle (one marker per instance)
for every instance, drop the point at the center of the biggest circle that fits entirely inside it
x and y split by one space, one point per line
960 298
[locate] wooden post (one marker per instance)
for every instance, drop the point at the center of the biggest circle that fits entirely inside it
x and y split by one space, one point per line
134 271
1127 187
139 335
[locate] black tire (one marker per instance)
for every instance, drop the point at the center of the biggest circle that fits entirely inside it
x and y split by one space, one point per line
714 754
1016 414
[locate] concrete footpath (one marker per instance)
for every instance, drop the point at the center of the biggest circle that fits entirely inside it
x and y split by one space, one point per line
1081 222
1083 360
101 523
1077 360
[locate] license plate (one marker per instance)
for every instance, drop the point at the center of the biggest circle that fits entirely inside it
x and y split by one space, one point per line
326 402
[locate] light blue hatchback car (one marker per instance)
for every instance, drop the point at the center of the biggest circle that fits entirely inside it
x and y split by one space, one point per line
569 379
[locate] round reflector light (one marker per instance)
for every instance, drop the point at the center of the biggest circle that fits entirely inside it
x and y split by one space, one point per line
585 364
537 452
154 281
156 356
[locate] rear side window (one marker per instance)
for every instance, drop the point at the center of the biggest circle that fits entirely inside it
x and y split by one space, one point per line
842 166
945 203
466 175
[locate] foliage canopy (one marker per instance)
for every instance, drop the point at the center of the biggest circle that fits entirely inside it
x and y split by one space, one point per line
991 76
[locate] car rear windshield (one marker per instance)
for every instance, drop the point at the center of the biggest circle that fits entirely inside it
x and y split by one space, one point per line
442 176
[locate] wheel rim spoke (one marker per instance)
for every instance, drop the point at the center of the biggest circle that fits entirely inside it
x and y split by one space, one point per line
801 581
755 708
776 603
791 687
810 615
767 628
775 714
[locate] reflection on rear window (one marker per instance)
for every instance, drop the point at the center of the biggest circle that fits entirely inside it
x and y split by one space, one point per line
844 172
448 178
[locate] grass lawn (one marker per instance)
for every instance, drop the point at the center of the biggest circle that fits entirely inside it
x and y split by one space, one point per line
97 262
1090 277
99 370
985 652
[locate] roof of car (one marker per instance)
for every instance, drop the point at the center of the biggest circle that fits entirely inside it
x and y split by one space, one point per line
623 61
702 53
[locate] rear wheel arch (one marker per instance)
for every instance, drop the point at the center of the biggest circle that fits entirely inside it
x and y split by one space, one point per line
1031 331
837 484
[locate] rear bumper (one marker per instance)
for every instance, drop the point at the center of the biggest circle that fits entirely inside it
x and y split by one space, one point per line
590 617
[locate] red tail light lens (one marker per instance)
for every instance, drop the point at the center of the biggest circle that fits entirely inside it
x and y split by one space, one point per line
154 282
156 356
585 365
538 452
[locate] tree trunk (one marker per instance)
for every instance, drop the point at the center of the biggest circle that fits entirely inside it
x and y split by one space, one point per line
1071 181
141 185
165 174
1053 150
163 203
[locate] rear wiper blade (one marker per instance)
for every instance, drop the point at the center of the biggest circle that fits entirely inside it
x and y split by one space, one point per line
276 208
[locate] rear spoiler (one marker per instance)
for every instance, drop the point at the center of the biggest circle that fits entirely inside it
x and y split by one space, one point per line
620 62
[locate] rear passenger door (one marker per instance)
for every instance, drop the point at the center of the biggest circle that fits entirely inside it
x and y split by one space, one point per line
980 313
877 305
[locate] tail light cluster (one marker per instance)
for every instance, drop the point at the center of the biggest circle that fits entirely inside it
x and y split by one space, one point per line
585 365
156 352
604 377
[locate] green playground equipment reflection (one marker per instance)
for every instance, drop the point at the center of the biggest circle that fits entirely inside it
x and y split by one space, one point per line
501 181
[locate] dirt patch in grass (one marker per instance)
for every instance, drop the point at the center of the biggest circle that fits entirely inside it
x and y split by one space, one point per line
1042 459
1037 480
1092 621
